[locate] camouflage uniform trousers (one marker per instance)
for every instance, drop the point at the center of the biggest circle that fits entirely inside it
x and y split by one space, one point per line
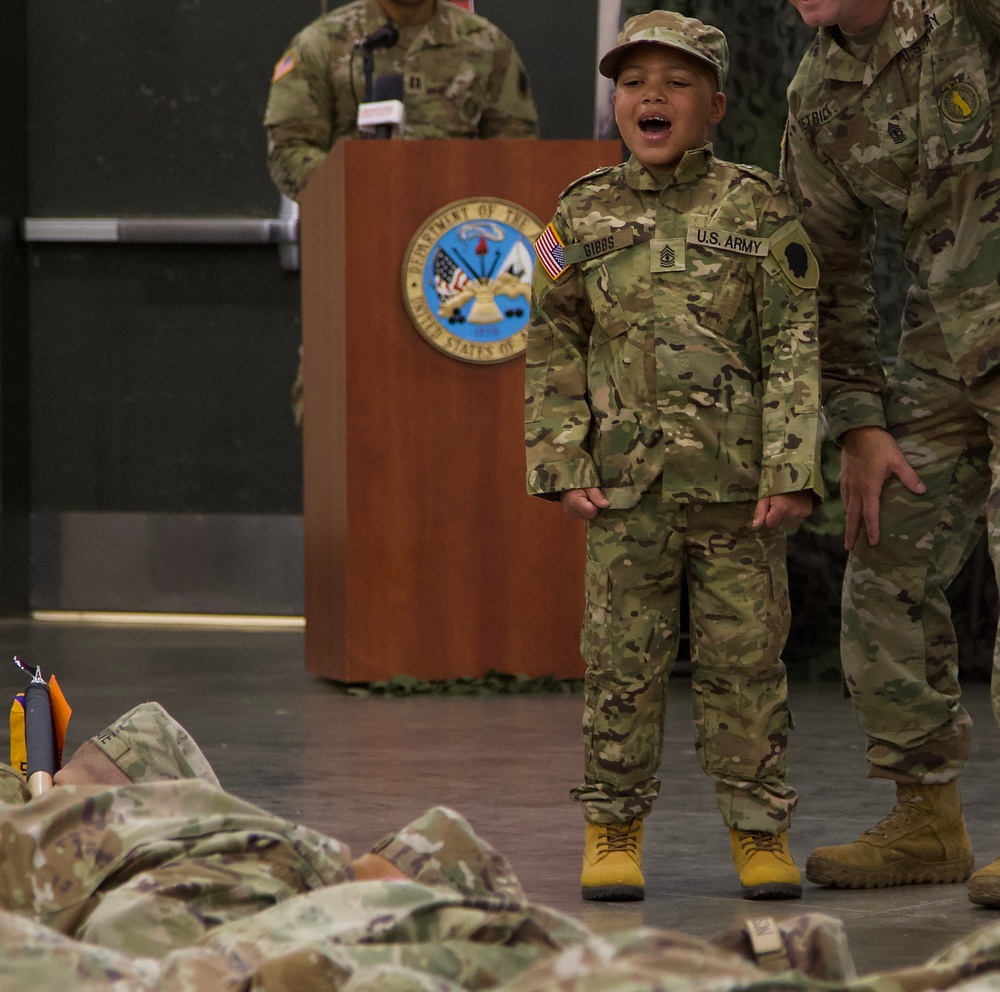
898 644
739 616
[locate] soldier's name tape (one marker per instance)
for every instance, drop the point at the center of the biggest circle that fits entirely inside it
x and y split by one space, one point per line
788 247
742 244
582 251
710 237
668 256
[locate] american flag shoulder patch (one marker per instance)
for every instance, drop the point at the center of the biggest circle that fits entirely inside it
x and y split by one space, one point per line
549 249
283 66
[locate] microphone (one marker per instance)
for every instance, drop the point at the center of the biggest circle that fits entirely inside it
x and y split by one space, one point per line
385 113
383 37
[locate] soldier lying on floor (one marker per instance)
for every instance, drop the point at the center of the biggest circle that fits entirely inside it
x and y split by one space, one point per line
139 873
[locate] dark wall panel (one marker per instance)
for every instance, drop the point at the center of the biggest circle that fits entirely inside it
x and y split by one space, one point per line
156 109
14 369
152 108
160 380
557 39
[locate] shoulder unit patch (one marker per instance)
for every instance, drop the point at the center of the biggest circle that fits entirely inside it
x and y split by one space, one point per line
790 248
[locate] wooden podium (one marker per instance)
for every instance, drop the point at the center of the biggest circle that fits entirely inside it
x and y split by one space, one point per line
424 556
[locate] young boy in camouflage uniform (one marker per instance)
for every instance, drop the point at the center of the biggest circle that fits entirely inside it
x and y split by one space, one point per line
895 110
673 403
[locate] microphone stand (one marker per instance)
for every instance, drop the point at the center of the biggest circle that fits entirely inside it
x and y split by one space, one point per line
368 67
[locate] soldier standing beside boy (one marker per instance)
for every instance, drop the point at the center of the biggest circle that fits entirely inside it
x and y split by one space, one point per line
895 110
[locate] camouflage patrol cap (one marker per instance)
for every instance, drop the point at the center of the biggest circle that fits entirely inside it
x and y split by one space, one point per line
666 27
149 745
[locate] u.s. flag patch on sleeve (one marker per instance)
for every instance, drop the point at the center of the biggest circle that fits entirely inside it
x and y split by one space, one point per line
283 67
549 249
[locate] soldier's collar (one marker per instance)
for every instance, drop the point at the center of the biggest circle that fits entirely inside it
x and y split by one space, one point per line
693 165
905 26
443 27
839 64
440 28
375 16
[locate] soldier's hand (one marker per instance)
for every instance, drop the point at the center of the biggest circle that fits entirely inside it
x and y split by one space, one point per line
869 458
584 504
785 510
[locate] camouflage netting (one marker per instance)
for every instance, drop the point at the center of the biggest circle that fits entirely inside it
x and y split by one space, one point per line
766 41
493 683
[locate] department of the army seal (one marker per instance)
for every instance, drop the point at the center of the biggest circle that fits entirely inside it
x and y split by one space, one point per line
467 279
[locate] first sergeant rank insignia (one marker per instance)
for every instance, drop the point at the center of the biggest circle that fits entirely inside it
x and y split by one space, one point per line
467 279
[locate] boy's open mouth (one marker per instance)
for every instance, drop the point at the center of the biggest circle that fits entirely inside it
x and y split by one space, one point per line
654 125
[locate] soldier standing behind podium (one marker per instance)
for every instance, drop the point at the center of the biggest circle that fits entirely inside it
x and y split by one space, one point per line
462 78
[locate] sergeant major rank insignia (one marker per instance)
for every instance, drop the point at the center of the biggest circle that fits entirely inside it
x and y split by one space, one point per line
467 279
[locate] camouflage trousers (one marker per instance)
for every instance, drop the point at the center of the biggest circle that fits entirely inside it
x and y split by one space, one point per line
898 645
637 562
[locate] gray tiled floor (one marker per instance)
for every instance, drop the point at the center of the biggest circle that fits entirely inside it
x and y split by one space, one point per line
357 767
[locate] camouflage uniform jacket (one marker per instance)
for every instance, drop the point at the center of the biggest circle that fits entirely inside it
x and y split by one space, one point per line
67 849
462 79
915 132
462 923
679 341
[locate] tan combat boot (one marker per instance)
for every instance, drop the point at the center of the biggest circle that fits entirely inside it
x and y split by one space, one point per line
984 886
765 865
922 840
612 862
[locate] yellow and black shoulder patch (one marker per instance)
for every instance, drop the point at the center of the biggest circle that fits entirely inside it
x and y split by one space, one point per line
790 248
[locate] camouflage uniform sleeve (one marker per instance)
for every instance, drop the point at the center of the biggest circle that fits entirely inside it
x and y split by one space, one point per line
557 410
787 317
299 115
511 112
842 231
986 13
13 788
441 848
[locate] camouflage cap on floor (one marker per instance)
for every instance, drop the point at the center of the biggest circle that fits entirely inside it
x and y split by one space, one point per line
667 27
149 745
